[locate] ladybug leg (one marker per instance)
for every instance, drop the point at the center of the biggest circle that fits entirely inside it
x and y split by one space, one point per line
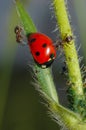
20 37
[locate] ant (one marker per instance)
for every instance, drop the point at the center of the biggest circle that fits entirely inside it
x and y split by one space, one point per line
19 37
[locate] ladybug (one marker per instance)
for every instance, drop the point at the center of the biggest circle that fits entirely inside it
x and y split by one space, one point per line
42 49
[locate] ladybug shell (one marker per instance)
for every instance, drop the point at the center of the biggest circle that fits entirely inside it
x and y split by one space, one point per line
42 48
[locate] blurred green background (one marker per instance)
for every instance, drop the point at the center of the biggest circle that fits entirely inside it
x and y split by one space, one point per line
21 107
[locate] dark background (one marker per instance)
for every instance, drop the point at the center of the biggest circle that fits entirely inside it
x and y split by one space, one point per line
20 104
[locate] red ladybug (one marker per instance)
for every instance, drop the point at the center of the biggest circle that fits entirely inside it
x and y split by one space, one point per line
42 49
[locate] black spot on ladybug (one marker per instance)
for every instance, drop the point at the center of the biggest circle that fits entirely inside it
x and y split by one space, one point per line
51 55
37 53
44 45
33 40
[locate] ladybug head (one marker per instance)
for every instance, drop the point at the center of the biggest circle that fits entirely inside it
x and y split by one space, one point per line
47 64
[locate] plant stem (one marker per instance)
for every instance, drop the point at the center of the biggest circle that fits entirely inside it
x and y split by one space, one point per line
75 91
46 85
44 76
68 120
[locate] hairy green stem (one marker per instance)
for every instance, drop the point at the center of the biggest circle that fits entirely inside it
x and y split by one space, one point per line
44 76
75 91
46 86
68 119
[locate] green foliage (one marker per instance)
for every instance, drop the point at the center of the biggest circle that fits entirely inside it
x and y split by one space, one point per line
46 82
45 85
75 91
